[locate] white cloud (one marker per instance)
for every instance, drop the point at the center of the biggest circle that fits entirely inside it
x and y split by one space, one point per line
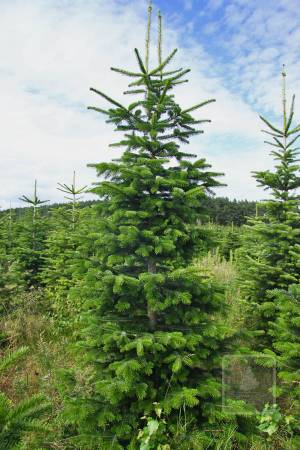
260 37
188 4
215 4
53 51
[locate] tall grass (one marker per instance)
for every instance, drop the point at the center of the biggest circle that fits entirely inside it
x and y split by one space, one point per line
225 272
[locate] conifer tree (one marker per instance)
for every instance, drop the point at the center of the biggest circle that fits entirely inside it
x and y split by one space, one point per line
73 194
286 334
32 235
11 278
65 250
273 261
149 338
230 241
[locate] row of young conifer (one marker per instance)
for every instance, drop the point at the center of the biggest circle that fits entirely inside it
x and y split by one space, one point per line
147 327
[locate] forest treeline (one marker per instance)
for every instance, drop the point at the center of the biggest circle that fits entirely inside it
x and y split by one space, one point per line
155 317
219 210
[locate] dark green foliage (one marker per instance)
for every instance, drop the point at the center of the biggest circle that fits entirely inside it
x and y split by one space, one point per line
223 211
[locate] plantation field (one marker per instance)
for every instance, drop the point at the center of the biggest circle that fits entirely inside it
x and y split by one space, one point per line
158 316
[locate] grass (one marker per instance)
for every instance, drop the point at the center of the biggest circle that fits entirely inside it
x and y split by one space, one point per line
225 272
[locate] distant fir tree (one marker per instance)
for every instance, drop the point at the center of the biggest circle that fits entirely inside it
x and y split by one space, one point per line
272 246
229 240
74 195
150 339
31 239
66 252
11 277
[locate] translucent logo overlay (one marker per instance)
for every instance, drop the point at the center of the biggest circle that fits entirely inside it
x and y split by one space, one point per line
248 382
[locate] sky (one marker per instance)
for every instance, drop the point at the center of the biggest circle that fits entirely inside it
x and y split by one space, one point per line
52 51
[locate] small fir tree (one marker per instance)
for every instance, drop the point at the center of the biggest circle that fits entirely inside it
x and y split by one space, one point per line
66 252
32 234
74 195
229 241
11 278
273 251
149 335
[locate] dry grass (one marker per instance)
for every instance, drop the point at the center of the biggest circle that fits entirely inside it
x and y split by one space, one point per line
29 326
225 272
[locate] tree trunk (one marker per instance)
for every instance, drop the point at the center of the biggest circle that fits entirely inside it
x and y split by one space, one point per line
150 313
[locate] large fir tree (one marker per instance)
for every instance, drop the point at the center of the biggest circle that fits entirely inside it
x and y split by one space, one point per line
150 337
